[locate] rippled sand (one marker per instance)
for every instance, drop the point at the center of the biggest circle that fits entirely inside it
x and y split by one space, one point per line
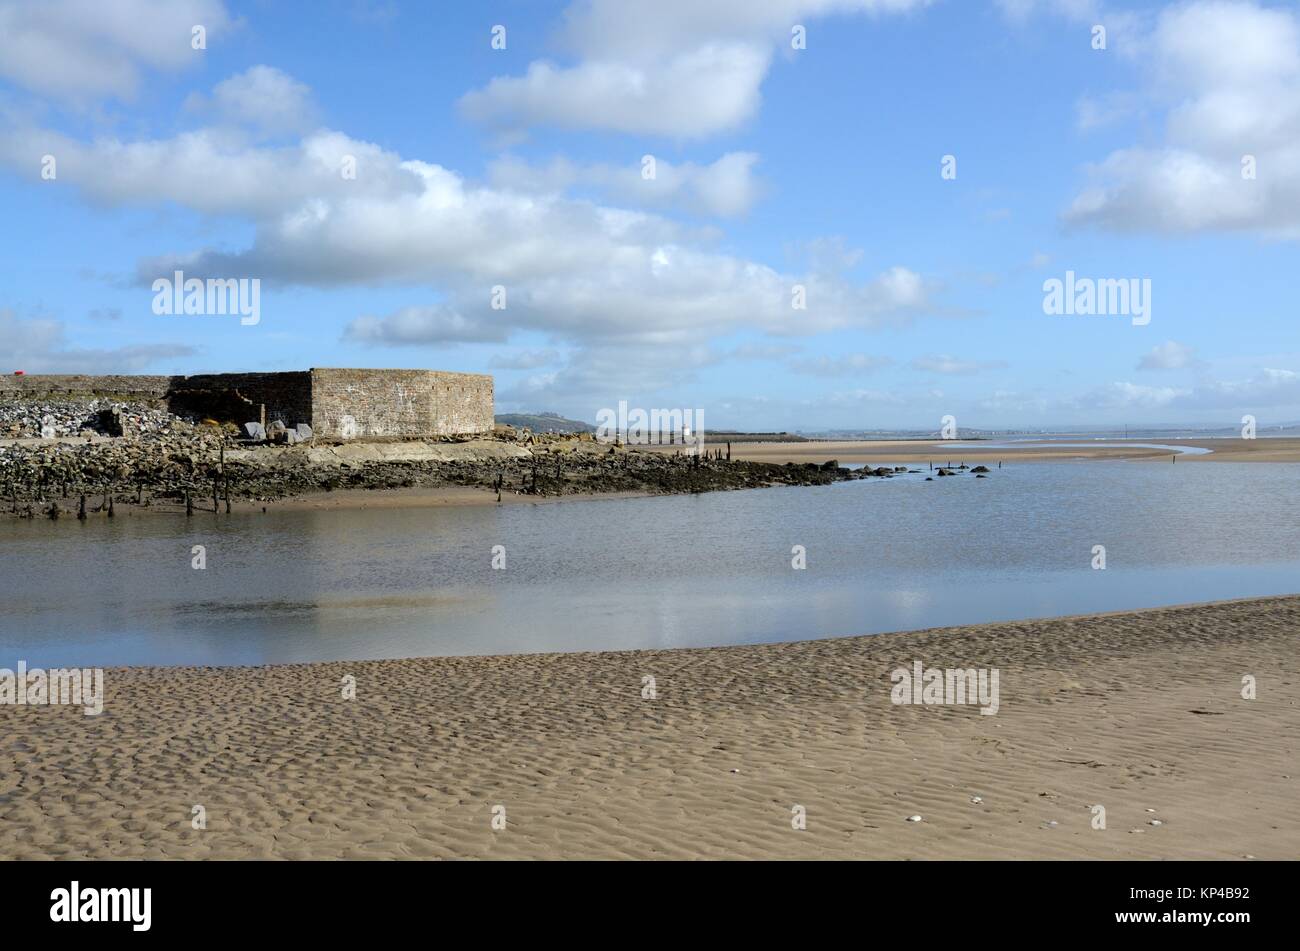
1136 712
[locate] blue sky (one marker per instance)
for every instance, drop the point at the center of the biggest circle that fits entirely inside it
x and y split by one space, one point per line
774 168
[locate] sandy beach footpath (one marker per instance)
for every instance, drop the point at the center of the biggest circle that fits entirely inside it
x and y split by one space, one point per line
1139 712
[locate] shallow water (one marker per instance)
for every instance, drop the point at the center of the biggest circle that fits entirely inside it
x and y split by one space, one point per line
607 574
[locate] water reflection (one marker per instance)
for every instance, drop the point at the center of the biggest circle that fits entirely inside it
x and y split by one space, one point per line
664 572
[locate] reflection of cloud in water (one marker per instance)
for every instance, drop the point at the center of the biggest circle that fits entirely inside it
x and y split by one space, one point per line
673 571
909 602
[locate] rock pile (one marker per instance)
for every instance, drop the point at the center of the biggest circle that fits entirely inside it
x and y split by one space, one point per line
52 418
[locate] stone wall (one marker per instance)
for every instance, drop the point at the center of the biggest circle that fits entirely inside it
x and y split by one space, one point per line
396 403
77 385
462 403
238 397
378 403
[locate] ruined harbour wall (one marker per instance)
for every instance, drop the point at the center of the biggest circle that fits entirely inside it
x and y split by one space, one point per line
151 389
239 397
344 403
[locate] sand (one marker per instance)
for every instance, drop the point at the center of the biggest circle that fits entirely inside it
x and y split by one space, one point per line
877 452
1139 712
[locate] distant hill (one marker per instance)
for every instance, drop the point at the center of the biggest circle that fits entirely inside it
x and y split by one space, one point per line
545 423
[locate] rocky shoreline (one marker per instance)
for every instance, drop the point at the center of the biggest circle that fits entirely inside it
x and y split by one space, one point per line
82 468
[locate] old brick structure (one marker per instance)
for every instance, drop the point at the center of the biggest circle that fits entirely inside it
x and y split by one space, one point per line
341 403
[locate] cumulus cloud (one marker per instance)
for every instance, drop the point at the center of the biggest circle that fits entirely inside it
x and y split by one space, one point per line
574 269
725 188
262 98
92 49
1229 73
677 68
212 171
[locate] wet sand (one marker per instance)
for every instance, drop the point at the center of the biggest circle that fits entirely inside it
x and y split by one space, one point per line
940 453
1138 712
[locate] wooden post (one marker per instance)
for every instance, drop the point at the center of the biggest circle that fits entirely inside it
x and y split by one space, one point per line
189 504
81 508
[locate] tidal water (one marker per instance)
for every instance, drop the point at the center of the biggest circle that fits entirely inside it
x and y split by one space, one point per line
610 574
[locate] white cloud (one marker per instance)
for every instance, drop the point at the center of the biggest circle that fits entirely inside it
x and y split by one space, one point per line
1269 389
676 68
849 364
579 272
1229 73
525 360
213 171
93 49
726 187
571 267
263 98
942 363
41 345
424 325
1170 355
690 95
